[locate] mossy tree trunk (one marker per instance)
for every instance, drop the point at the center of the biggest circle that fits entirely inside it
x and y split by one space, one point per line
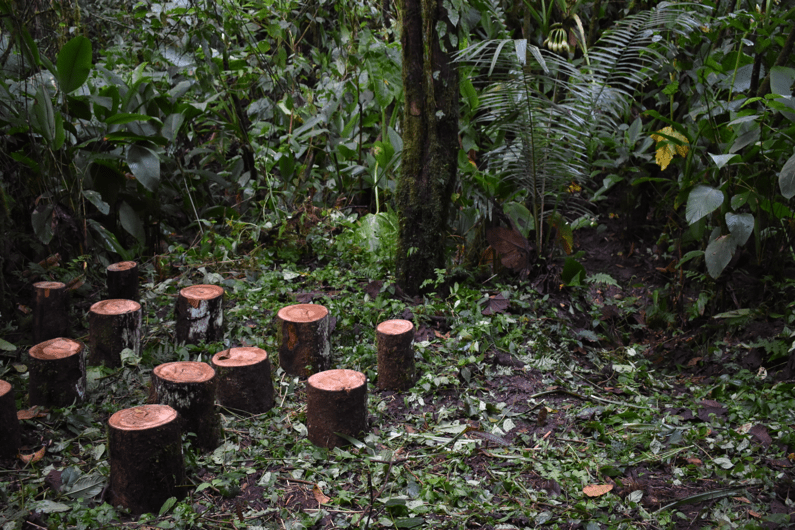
430 142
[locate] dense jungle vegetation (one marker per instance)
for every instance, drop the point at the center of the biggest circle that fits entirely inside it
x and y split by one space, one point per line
600 277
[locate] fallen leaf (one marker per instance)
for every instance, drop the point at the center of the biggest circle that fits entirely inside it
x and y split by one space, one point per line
754 514
496 304
694 461
320 497
440 336
32 412
597 490
760 434
541 420
35 457
742 499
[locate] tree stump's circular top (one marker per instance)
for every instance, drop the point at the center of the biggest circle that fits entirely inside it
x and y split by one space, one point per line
196 293
5 387
245 356
122 266
185 372
53 349
335 380
49 285
395 327
115 307
142 417
302 313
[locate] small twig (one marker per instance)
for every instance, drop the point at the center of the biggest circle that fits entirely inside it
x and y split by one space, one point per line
285 479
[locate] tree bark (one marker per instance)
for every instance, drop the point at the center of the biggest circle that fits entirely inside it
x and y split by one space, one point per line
244 379
303 337
146 463
336 402
395 355
113 326
122 279
57 373
9 424
200 314
50 311
430 142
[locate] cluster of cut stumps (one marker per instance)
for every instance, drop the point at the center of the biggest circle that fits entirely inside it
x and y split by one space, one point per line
145 442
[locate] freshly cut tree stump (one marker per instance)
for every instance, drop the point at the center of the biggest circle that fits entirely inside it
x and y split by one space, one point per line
122 279
146 464
200 314
395 355
244 379
50 311
9 424
57 373
113 326
303 335
189 387
336 401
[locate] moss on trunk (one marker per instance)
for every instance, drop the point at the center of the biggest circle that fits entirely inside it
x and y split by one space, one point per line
430 142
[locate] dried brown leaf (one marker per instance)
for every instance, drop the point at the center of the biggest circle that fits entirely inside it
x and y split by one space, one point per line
597 490
32 412
35 457
320 497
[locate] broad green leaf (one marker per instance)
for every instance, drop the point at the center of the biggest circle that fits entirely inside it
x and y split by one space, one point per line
131 222
702 201
7 346
42 224
741 226
48 506
74 63
744 140
145 165
718 254
722 160
44 115
786 179
87 486
127 117
108 240
521 216
170 502
573 273
781 79
96 199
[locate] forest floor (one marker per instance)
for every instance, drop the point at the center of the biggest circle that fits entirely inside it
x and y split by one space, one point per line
595 406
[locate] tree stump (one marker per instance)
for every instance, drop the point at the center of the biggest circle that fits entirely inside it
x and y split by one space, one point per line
189 387
336 401
303 335
57 373
122 280
113 326
244 379
9 424
50 311
146 464
200 314
395 355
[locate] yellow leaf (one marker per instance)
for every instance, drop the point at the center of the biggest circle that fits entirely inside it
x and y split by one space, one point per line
320 497
35 457
666 149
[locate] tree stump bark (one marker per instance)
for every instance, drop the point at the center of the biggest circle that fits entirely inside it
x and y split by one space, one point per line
303 335
146 464
244 379
200 314
50 311
122 280
9 424
57 373
189 387
336 401
395 355
113 326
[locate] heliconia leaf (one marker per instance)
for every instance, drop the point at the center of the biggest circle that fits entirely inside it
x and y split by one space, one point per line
702 201
74 63
786 179
718 254
131 222
96 199
741 226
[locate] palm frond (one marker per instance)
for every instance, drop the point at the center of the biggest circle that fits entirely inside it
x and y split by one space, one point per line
544 111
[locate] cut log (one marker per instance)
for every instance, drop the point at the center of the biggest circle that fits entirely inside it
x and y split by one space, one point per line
200 314
395 355
9 424
244 379
146 463
122 280
303 335
50 311
336 402
57 373
113 326
189 387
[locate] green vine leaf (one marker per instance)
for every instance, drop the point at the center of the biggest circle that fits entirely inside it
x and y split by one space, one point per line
702 201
